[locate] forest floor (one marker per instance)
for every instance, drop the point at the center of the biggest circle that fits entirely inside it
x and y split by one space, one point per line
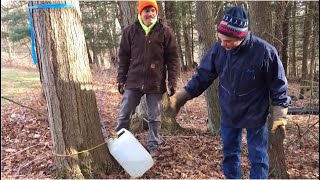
192 153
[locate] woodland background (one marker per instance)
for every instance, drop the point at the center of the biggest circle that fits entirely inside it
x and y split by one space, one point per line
192 147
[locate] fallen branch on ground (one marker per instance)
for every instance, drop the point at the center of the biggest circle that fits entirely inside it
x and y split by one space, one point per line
309 129
22 105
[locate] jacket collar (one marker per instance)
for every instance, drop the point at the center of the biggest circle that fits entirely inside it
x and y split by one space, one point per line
247 42
158 24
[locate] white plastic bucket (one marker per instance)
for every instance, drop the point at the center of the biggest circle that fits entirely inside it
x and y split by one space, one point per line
130 154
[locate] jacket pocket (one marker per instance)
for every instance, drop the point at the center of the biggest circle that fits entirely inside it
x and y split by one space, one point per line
248 82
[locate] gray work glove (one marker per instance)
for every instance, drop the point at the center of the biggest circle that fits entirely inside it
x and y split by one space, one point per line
176 102
279 114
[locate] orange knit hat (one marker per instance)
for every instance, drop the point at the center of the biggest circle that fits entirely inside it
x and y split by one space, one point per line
144 3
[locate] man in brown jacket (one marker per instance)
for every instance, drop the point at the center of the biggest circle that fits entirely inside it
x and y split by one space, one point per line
148 53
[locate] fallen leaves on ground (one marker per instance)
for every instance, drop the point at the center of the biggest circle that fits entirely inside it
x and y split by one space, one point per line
191 153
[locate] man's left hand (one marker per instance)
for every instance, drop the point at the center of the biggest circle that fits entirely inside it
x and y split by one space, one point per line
280 123
279 114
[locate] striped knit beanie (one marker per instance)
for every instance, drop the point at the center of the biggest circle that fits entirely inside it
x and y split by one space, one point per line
234 23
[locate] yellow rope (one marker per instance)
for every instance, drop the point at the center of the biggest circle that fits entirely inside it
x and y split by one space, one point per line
73 154
112 135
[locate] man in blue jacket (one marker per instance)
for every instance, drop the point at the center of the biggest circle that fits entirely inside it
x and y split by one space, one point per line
250 72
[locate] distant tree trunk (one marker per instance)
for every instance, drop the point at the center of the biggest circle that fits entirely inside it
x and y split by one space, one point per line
10 50
315 36
307 30
306 42
219 11
261 20
89 55
260 23
161 12
285 33
180 53
94 58
218 6
313 55
278 18
191 32
113 50
102 61
186 30
113 58
172 19
205 24
72 107
293 46
5 34
170 13
316 48
128 13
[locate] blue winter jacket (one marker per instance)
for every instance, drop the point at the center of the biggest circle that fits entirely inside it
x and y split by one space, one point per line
248 76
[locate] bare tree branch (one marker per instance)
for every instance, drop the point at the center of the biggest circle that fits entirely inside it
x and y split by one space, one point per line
22 105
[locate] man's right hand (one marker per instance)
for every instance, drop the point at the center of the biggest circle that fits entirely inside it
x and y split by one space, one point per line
121 87
176 102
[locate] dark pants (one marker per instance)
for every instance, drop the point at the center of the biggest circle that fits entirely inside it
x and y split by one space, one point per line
257 140
130 100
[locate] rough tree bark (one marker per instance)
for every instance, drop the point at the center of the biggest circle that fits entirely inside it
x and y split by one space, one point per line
285 32
293 60
67 83
260 24
315 37
186 37
277 25
128 11
172 20
205 25
307 30
161 13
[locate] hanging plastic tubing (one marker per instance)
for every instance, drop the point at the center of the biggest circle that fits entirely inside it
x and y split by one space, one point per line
42 6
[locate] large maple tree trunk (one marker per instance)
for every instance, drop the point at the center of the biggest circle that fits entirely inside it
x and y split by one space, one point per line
71 101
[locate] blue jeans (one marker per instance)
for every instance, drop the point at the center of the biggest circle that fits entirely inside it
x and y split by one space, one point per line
257 140
130 100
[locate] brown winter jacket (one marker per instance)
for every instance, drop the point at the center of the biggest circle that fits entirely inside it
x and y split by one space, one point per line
144 60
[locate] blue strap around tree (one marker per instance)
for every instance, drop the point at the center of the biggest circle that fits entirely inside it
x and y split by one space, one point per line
42 6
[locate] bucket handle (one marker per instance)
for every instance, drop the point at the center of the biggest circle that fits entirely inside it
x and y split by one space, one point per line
122 131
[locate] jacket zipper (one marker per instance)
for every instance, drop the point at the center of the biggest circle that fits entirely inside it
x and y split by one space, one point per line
244 64
145 61
229 66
